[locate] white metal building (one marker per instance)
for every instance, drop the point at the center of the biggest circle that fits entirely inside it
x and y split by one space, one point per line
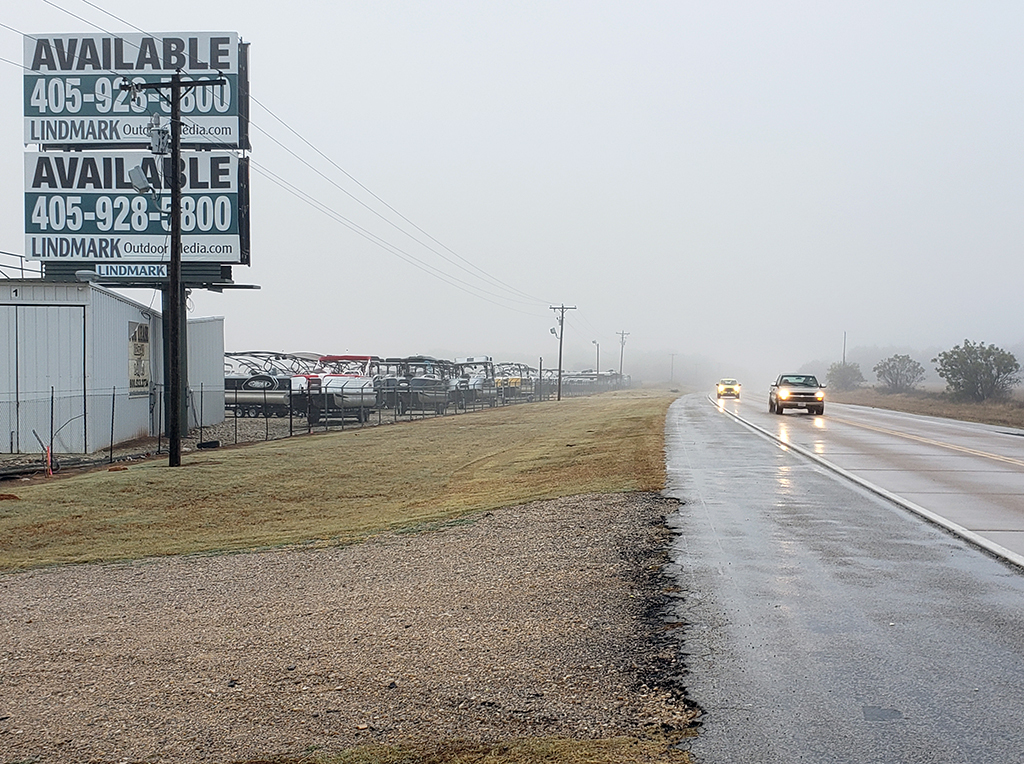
82 363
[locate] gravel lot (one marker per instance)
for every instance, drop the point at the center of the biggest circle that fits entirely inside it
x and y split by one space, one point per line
536 620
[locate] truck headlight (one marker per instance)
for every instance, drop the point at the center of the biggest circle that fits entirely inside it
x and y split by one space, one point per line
820 395
783 394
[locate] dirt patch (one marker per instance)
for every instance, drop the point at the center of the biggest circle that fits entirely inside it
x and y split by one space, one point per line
530 621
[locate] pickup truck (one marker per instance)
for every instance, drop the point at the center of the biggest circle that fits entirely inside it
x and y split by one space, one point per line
796 391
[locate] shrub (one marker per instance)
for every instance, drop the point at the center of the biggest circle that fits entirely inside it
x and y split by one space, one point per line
844 376
899 373
977 372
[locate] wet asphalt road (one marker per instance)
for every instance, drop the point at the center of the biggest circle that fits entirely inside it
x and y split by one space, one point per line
824 624
970 474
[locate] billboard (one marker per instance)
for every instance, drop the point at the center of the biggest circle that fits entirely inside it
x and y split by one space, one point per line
83 206
73 95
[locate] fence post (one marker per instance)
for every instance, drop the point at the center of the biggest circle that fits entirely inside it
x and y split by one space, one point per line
160 419
113 403
202 400
49 454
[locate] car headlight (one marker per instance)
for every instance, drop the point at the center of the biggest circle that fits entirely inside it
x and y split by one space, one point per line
721 388
783 394
820 395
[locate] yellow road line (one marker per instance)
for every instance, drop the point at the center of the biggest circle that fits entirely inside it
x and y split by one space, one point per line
930 442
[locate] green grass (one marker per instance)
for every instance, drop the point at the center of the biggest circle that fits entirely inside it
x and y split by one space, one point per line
339 487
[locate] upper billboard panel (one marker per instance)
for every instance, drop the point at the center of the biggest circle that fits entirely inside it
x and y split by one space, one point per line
73 94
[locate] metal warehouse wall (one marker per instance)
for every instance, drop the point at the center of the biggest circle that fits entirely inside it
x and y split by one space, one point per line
206 370
71 373
43 372
110 400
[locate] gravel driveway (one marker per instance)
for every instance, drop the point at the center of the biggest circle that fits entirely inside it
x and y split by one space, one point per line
536 620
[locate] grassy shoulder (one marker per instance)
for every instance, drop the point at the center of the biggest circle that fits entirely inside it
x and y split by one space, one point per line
340 487
1006 413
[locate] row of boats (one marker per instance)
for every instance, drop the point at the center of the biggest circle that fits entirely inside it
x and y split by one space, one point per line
320 387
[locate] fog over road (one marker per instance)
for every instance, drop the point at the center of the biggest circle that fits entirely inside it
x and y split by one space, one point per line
827 624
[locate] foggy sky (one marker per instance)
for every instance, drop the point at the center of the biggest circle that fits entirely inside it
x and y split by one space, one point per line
733 184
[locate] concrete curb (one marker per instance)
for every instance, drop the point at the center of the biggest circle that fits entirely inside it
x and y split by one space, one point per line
986 545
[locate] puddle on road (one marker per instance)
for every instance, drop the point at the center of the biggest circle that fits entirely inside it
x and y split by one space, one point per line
878 714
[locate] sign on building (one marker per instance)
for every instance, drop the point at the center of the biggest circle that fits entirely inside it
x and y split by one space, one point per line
138 358
73 95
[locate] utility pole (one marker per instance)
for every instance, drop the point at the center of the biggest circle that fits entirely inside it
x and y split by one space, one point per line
672 368
598 369
561 332
175 353
844 348
622 350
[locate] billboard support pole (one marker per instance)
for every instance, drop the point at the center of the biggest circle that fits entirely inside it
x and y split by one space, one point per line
174 307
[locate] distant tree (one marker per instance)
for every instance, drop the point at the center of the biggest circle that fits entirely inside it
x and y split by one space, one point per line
977 372
899 373
844 376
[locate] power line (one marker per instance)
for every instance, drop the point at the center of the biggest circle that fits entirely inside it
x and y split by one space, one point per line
373 211
379 199
387 246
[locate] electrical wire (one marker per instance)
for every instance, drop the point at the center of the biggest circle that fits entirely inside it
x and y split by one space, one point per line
371 193
373 238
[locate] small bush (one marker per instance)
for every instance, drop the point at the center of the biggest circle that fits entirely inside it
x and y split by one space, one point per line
844 376
898 373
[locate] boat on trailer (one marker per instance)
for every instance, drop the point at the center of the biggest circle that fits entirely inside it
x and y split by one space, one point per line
341 386
259 382
415 383
474 382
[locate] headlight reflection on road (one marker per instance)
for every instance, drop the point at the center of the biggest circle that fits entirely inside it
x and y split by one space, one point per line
819 445
784 432
783 480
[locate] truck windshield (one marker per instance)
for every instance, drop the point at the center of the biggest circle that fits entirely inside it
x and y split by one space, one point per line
800 381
